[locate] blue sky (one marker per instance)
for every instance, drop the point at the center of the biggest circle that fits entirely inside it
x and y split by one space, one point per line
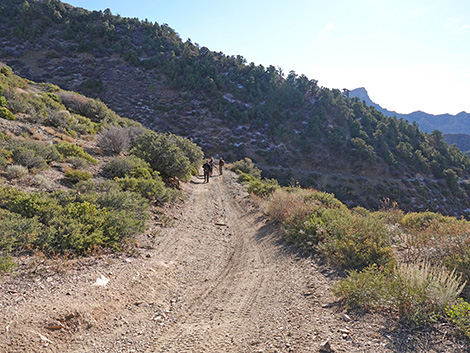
409 55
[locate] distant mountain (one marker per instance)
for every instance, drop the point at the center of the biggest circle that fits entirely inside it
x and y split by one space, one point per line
447 123
461 140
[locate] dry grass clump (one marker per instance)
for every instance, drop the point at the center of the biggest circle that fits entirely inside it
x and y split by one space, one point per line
415 291
285 206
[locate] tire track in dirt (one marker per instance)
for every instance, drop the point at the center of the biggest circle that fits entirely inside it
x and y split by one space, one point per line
210 321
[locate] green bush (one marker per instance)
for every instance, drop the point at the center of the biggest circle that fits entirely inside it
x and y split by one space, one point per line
6 263
71 150
6 114
32 154
153 189
263 187
78 228
98 216
324 198
366 289
305 233
354 241
163 155
5 156
31 205
132 166
190 150
17 232
459 314
70 123
78 162
258 187
94 110
246 166
419 220
76 176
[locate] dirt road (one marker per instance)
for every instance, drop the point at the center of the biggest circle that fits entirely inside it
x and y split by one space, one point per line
218 280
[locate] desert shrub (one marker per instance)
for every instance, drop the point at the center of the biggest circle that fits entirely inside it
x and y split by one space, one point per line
78 162
6 114
305 233
246 166
263 187
459 314
28 158
32 154
365 289
78 228
355 241
245 178
153 189
416 292
316 221
70 221
42 182
446 242
128 213
324 198
305 215
70 123
94 110
76 176
132 166
5 156
390 216
163 155
16 171
59 118
6 263
421 290
419 220
287 206
114 139
17 232
360 211
71 150
134 131
30 205
189 149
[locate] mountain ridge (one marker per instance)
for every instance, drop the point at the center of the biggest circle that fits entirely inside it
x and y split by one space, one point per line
447 123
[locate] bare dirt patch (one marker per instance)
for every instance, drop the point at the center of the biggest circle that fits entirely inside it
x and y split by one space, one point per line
218 280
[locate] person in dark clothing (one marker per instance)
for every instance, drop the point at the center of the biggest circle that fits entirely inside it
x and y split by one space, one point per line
207 169
211 164
221 164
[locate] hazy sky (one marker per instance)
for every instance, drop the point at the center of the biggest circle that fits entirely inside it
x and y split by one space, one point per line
409 54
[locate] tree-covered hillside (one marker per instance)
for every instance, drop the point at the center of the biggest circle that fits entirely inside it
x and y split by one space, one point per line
286 123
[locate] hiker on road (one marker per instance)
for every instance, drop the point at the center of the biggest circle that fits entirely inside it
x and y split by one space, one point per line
207 169
221 165
211 164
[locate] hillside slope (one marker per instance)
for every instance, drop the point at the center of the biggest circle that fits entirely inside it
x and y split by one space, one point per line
301 131
219 280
